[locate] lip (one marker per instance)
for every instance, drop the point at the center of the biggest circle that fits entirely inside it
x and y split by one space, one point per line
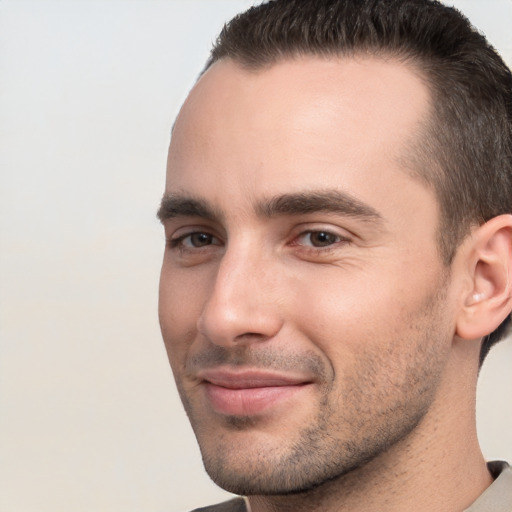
249 392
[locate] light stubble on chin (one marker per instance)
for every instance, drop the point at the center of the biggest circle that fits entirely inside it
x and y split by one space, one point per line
321 452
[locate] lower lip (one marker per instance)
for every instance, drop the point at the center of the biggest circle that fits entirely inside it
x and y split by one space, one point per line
249 401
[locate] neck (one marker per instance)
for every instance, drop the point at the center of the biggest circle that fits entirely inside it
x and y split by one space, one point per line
438 466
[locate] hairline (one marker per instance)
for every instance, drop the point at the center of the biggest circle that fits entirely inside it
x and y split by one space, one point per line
415 161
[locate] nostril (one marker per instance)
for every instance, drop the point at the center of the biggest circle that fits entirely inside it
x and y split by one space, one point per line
251 336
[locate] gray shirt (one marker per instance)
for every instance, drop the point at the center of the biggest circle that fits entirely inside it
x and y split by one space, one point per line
498 496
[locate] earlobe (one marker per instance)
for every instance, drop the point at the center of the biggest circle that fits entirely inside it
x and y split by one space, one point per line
489 263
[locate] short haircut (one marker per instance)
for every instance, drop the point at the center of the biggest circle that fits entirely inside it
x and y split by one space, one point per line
464 151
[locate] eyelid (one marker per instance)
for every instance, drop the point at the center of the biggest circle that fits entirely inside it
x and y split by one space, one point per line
177 229
309 250
320 227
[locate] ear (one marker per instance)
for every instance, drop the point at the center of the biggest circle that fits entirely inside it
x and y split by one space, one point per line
488 300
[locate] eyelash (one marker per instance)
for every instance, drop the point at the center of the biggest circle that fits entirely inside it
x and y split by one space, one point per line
178 242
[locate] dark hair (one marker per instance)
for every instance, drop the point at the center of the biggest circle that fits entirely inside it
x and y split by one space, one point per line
465 152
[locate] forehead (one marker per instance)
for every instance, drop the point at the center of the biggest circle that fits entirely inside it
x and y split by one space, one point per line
345 122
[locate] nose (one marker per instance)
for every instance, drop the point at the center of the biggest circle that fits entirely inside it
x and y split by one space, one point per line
243 306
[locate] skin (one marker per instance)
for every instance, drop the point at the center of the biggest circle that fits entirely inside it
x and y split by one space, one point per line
301 248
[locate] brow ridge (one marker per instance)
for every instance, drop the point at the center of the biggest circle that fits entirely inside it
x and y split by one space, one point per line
293 204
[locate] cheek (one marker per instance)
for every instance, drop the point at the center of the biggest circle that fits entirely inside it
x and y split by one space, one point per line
179 305
387 346
344 311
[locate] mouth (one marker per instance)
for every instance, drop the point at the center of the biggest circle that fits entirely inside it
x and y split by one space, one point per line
249 392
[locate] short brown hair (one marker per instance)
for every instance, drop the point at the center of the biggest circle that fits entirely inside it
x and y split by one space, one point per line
466 150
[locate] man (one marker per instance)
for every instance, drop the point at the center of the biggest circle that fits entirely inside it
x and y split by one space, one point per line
339 256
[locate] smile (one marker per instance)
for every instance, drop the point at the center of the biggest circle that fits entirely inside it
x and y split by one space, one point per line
249 393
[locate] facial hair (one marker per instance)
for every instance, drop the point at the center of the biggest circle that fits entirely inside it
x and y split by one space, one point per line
384 394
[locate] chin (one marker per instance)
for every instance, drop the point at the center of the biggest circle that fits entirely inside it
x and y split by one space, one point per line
248 461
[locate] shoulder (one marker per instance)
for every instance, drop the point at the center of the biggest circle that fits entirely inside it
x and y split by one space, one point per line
497 497
234 505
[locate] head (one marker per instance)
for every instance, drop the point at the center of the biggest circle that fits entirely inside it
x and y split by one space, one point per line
329 222
465 151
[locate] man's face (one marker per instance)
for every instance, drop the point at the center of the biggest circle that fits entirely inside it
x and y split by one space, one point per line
303 302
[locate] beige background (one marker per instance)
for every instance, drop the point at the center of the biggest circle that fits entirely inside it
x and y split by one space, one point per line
89 419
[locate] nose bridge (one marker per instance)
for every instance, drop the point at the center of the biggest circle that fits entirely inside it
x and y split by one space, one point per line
241 306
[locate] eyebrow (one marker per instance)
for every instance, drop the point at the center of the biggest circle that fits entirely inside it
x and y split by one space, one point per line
175 205
329 201
302 203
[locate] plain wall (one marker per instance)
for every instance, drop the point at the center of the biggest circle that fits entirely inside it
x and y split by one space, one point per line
89 418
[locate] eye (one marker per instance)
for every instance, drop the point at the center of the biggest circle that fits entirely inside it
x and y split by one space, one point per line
319 239
194 240
198 239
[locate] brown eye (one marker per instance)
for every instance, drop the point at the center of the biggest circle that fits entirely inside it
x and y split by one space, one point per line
200 239
322 238
194 240
319 239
